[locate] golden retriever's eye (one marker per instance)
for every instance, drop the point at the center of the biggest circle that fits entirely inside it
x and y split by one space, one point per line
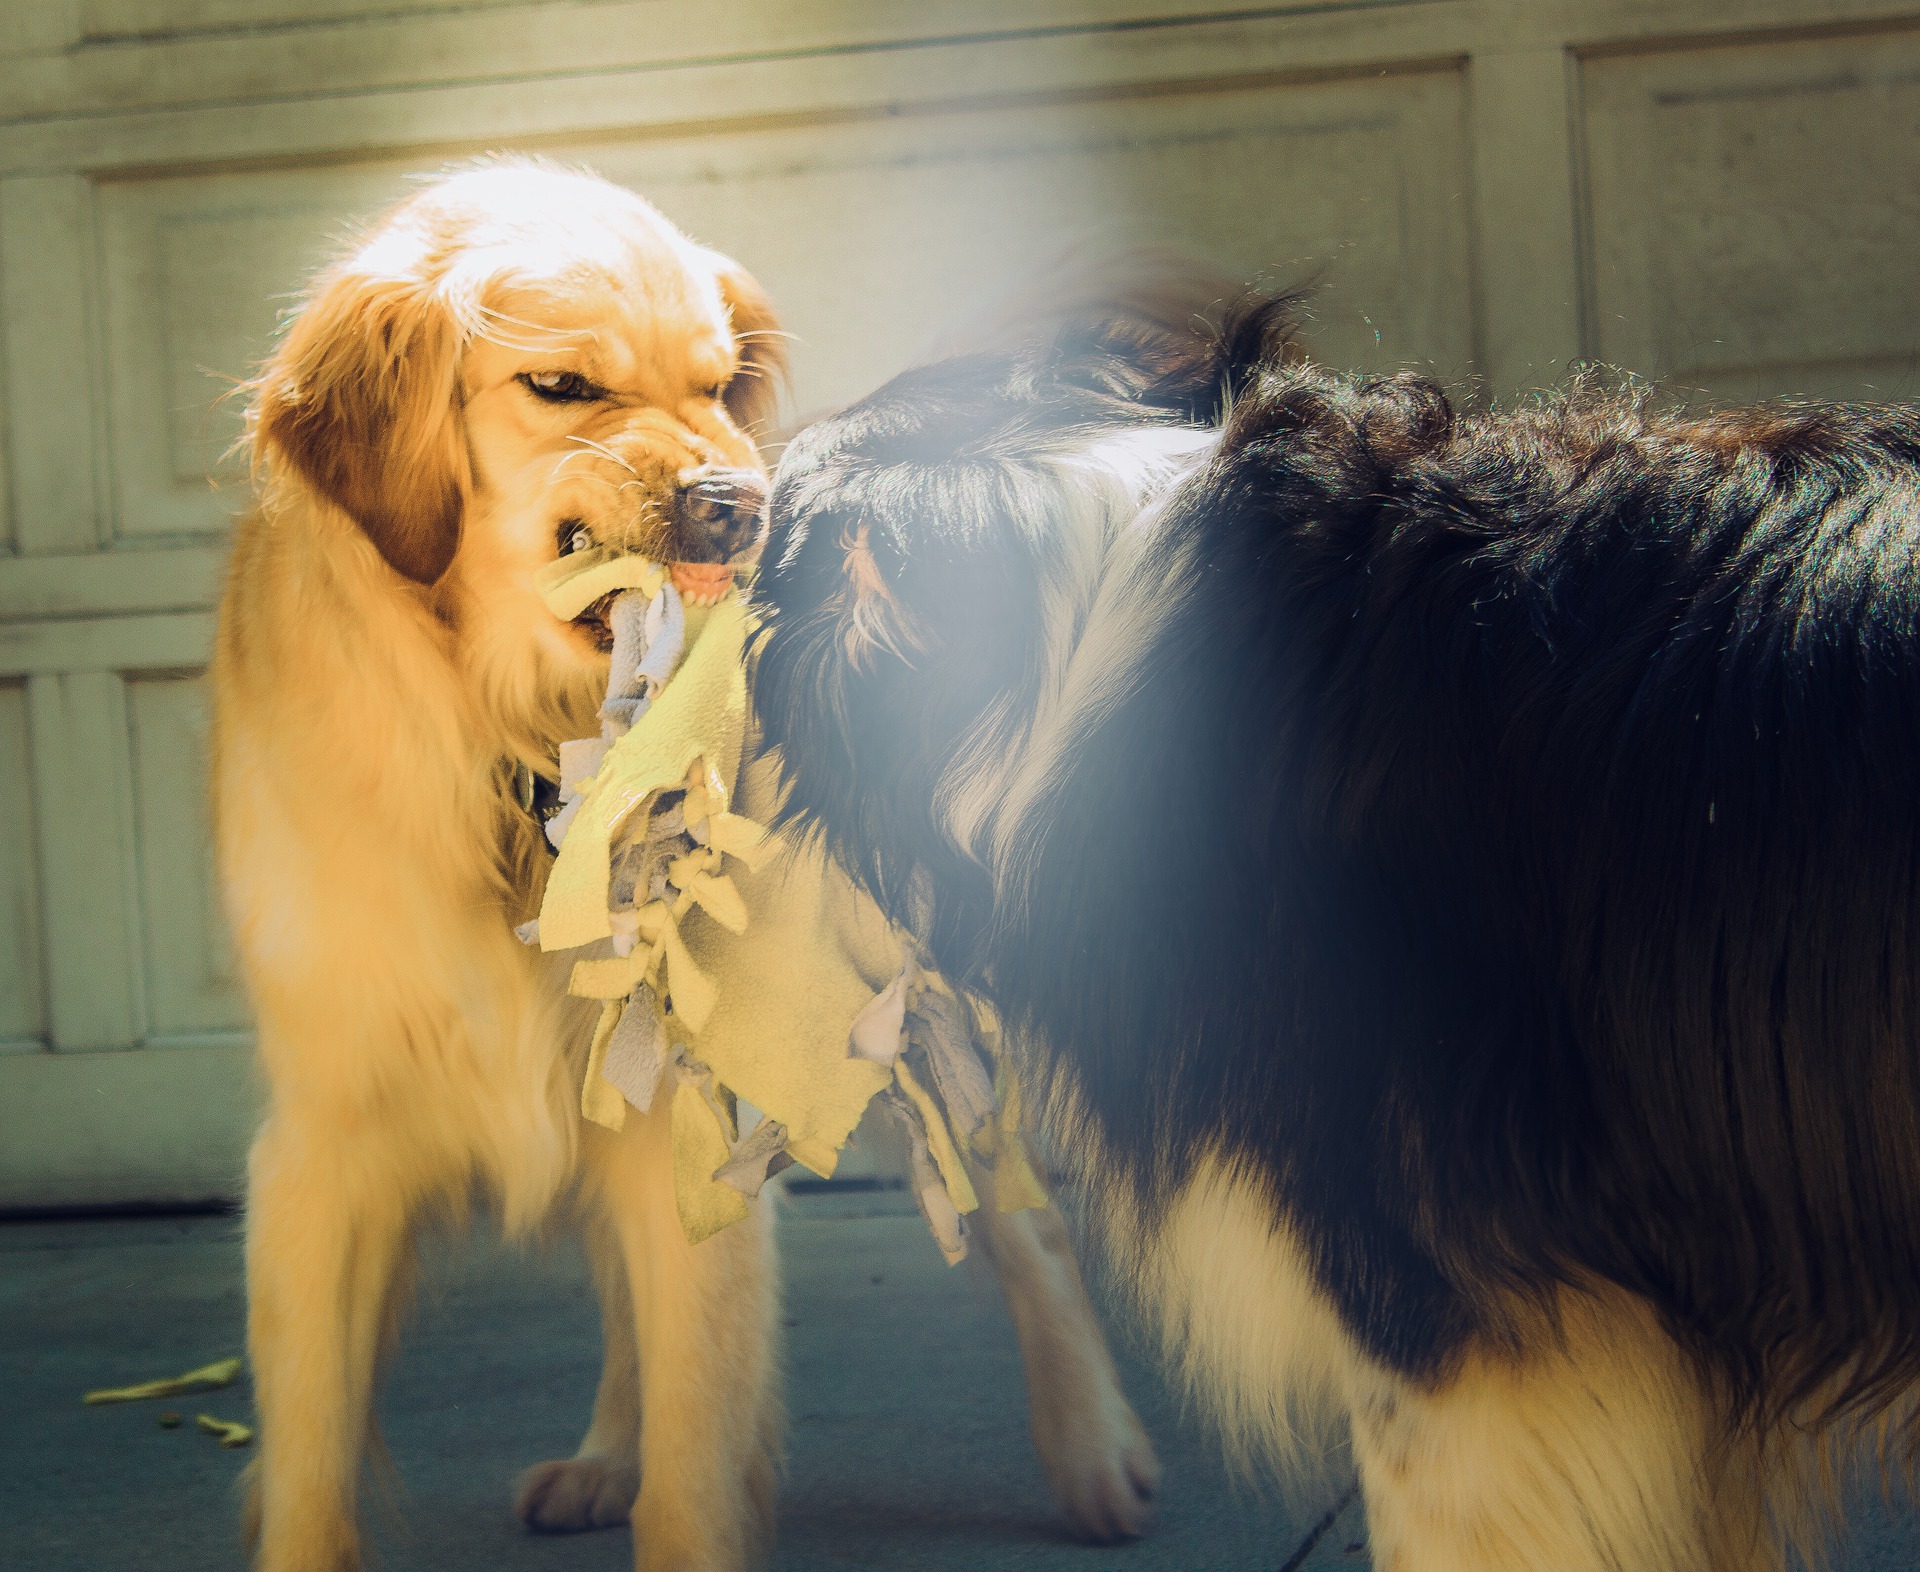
560 387
716 392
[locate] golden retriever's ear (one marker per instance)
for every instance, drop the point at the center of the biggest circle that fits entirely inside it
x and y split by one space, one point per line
753 396
362 398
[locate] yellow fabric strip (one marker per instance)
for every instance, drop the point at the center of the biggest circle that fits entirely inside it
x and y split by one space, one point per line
608 977
813 1154
600 1099
716 894
701 713
230 1431
222 1372
700 1145
946 1156
1016 1187
814 953
691 991
742 838
570 584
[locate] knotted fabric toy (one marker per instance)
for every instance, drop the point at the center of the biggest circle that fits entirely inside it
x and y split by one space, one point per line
939 1048
731 968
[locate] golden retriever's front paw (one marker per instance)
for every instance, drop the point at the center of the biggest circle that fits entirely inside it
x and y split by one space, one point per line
1102 1469
570 1494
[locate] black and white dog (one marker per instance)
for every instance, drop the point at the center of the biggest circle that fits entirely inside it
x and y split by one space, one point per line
1456 879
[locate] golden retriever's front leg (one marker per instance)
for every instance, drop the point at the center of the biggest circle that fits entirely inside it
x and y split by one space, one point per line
705 1320
595 1487
326 1237
1095 1455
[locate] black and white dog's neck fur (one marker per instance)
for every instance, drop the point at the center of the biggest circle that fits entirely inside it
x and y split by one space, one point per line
956 531
1476 858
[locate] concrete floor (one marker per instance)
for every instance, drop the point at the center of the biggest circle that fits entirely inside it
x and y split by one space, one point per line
908 1444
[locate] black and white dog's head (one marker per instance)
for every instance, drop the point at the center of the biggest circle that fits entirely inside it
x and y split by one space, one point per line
944 582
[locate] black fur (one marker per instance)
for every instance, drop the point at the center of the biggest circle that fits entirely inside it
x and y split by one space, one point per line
1508 850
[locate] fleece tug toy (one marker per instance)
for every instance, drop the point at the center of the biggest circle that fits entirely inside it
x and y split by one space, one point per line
727 975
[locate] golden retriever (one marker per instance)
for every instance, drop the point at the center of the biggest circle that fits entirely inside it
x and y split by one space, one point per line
514 352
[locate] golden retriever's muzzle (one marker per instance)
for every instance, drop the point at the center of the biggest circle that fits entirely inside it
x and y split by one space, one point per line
719 514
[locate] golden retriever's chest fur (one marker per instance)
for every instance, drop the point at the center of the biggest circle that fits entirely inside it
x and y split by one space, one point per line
374 864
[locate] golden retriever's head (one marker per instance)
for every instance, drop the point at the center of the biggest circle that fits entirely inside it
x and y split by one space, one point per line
519 359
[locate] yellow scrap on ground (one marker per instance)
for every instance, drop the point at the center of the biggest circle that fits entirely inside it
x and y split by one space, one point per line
230 1431
222 1372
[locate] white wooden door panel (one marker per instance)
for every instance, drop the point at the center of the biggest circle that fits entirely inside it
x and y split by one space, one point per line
1756 216
48 330
192 991
22 997
91 910
197 271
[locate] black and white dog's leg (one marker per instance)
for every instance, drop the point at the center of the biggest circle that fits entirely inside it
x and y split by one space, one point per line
1596 1453
595 1488
1092 1448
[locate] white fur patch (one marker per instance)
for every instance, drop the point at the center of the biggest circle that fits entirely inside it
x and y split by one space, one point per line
1243 1323
1593 1450
1101 607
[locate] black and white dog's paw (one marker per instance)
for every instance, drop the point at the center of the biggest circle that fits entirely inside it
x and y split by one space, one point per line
1097 1458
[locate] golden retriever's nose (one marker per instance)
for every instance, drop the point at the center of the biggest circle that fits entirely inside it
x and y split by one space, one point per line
719 512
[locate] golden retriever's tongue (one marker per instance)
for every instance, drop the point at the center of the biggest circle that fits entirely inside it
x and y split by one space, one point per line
702 582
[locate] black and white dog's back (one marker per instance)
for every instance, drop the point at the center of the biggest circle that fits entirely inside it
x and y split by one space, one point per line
1456 877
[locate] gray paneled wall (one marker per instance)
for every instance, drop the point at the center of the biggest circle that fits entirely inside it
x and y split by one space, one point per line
1487 188
1755 214
23 1000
